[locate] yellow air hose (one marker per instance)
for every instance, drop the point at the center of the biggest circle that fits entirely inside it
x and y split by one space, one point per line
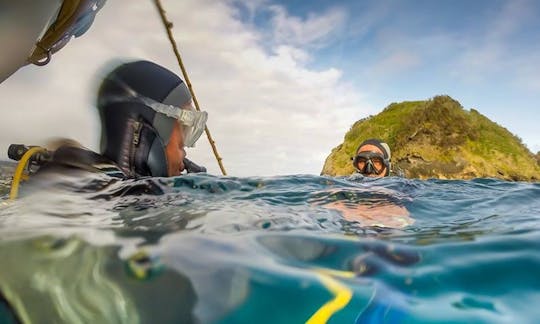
342 296
19 171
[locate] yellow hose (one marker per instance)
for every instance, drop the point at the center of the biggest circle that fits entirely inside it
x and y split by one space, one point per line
342 296
19 175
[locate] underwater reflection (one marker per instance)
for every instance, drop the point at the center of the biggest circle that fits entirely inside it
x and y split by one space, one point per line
70 281
362 258
367 206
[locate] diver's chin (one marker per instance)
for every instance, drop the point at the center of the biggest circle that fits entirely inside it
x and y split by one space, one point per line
174 172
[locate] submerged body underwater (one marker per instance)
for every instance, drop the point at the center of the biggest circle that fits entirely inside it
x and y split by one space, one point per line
209 249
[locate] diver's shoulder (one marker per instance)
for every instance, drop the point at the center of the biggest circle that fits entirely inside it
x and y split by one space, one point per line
82 158
63 156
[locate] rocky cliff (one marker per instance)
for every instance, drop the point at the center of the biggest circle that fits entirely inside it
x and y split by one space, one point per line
437 138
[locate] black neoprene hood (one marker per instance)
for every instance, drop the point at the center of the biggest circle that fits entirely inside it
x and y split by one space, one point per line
133 134
377 143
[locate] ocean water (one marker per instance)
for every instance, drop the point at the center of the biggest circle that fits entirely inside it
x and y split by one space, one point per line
288 249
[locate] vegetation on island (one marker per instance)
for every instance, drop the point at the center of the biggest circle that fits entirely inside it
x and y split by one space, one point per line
437 138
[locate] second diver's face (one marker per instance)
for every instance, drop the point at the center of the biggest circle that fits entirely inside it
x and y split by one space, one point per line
175 151
376 164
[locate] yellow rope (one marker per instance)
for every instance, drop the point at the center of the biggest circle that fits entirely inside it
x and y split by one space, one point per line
168 27
19 175
342 297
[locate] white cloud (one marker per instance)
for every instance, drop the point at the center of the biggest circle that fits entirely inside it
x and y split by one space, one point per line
396 62
315 29
510 20
251 6
491 51
269 113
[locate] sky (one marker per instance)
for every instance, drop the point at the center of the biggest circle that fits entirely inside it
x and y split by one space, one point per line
283 81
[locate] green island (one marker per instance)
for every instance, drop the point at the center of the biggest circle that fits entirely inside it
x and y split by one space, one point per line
437 138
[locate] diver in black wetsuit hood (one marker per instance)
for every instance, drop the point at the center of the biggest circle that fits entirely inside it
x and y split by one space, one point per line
147 119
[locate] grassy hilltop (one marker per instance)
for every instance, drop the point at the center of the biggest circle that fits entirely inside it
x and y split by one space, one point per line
437 138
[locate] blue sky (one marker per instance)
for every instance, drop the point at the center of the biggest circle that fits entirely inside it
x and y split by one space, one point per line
485 54
283 81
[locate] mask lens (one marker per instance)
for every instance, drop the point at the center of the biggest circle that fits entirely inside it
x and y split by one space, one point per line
360 163
193 123
370 163
378 163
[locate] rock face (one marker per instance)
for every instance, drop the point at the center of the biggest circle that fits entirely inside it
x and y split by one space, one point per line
437 138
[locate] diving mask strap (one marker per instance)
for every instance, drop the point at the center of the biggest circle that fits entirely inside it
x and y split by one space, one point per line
146 154
137 150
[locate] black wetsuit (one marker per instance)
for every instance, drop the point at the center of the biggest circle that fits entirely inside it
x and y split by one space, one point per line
70 164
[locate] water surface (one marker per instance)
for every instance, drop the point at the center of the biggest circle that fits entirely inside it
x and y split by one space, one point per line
270 250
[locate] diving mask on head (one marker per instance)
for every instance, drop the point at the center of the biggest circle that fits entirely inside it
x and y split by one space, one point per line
193 122
369 162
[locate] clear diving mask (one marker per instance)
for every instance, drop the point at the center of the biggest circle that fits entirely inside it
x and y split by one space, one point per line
193 122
